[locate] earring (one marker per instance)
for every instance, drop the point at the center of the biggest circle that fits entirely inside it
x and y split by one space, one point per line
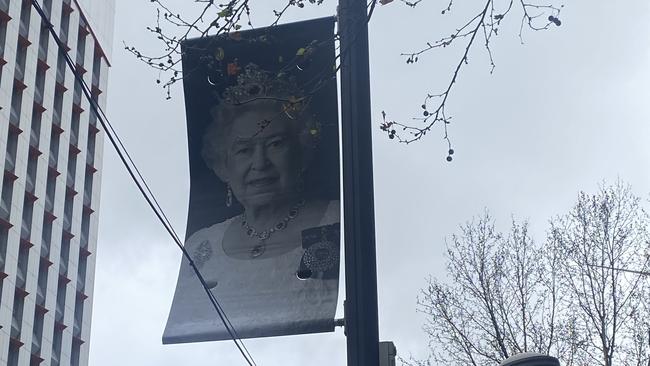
228 196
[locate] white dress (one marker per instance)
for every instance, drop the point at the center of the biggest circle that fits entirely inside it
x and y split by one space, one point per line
261 297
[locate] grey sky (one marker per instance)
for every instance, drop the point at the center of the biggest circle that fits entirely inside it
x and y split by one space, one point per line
559 114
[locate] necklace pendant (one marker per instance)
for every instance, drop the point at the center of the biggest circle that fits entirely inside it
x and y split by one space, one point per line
264 235
258 250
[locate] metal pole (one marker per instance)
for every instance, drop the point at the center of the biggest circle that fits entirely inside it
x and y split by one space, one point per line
361 319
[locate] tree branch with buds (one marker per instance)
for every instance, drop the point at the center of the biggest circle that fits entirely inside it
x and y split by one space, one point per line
227 18
484 25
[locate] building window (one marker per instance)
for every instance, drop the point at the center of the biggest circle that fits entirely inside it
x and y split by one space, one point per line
17 316
76 353
21 272
90 159
37 334
78 312
81 43
76 98
4 237
41 290
97 69
16 102
65 24
12 147
39 89
65 258
56 346
85 229
60 303
46 237
81 279
72 170
60 71
58 107
14 349
88 191
8 183
54 149
50 189
74 128
67 213
26 228
30 179
3 36
21 59
47 7
25 14
5 201
43 41
35 132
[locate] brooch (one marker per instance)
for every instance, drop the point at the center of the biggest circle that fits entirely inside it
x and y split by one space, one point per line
321 256
202 253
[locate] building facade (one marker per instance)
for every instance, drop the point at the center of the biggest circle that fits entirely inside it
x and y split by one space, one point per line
51 147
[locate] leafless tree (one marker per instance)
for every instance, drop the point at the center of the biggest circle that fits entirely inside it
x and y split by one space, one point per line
604 241
212 17
639 348
499 299
582 295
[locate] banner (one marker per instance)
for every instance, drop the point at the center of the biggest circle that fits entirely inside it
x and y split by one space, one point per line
263 220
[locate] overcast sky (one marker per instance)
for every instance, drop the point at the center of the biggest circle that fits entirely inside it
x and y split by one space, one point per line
561 113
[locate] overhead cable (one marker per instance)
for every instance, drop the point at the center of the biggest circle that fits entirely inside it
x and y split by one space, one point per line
141 184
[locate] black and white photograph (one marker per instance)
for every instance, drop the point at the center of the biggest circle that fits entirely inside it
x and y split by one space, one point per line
263 223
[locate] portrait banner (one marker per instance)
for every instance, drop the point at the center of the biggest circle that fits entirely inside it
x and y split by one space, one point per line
263 219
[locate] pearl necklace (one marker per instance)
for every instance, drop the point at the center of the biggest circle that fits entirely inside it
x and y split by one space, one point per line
264 235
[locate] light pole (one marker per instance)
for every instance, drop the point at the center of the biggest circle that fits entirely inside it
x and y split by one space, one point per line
361 319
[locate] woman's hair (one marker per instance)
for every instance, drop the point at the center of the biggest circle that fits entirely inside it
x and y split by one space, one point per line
217 135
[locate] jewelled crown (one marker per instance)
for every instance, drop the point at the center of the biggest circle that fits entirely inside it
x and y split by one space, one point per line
254 83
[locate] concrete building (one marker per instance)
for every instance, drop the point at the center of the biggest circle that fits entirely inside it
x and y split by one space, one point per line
50 149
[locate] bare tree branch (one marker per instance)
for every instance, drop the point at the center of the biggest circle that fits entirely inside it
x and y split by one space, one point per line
505 294
486 21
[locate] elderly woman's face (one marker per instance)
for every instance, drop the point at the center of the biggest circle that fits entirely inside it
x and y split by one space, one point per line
264 158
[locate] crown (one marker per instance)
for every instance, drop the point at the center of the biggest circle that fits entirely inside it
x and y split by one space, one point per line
256 83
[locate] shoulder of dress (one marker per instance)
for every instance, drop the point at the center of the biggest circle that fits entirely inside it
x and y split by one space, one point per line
211 233
332 213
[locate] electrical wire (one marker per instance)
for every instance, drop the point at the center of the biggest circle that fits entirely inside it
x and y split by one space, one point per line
142 185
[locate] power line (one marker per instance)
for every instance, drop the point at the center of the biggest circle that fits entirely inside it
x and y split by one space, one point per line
142 185
639 272
642 273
